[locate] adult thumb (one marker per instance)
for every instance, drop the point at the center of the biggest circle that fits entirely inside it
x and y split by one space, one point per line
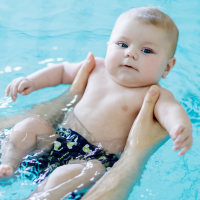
82 76
150 100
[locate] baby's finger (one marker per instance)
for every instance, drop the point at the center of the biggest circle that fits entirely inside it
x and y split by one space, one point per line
186 143
180 139
26 91
23 85
184 150
13 93
7 91
14 87
176 132
182 144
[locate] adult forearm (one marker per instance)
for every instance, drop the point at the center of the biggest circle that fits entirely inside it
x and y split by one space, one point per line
10 121
51 111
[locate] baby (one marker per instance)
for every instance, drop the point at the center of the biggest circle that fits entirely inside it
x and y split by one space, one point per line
140 52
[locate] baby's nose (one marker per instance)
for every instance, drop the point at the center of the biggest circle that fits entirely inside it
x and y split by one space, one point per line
132 52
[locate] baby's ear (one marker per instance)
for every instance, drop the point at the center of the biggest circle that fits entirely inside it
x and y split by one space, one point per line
169 66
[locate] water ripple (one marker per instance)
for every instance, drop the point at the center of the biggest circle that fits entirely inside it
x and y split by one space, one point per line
5 102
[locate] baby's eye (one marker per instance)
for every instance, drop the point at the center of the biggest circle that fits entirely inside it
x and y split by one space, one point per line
147 50
122 44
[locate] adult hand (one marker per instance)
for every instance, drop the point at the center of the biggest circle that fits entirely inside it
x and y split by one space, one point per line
146 131
80 81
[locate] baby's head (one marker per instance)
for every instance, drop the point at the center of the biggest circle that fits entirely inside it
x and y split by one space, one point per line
143 39
153 16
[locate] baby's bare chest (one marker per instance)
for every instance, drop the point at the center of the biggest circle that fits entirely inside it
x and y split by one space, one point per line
109 108
108 115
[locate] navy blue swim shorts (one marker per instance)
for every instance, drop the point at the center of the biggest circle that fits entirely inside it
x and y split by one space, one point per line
69 146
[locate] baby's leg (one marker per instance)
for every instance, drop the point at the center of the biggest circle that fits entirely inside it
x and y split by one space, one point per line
22 140
68 178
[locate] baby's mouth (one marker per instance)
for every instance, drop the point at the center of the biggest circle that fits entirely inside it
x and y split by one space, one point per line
130 67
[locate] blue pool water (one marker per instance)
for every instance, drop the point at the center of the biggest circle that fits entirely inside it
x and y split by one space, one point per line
35 33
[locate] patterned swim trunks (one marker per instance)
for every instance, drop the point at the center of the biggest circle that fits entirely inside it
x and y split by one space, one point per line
69 146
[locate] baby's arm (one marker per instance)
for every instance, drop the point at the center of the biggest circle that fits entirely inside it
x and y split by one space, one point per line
49 76
51 110
175 120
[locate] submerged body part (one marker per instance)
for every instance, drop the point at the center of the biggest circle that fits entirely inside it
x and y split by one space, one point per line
69 146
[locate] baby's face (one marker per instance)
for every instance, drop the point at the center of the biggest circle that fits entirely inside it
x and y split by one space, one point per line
137 53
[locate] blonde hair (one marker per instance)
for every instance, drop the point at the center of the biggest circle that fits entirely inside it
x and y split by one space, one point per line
155 17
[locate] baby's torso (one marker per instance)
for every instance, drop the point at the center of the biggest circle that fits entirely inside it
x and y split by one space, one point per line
108 110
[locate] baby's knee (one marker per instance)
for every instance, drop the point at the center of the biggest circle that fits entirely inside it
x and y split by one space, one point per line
33 125
95 168
26 124
90 169
62 174
72 169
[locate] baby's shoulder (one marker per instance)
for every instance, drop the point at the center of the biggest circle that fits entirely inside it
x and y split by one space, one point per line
164 93
99 66
100 62
166 96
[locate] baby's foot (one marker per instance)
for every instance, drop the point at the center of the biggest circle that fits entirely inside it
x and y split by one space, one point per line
6 170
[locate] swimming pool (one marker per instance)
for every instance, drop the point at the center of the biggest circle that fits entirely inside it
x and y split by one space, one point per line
35 33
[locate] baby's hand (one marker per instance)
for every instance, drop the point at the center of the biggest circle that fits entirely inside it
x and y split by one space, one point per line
182 137
20 85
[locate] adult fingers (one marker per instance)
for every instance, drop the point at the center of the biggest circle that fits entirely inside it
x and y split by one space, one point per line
81 78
